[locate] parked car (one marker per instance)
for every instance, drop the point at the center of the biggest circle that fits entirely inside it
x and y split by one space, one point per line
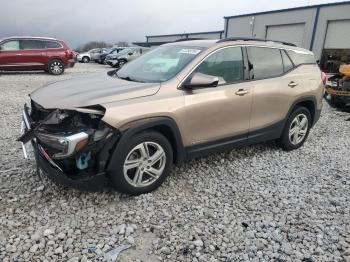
91 55
126 55
181 100
102 51
113 51
35 53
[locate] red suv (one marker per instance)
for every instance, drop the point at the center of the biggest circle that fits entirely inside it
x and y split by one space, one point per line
35 53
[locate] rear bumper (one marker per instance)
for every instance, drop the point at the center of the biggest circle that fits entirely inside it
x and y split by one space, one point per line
317 116
70 63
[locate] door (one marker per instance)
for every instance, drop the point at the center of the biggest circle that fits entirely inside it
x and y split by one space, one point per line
10 55
33 54
275 87
219 112
291 33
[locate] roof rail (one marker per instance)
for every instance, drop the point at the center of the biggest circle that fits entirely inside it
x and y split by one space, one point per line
189 39
253 39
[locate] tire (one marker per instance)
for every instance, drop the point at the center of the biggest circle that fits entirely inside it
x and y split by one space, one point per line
123 176
297 138
55 67
85 59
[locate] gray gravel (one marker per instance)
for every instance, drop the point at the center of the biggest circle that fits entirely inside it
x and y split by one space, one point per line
256 203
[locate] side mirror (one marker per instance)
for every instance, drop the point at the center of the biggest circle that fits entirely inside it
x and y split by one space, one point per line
199 80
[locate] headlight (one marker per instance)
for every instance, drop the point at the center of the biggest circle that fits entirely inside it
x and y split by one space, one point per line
66 145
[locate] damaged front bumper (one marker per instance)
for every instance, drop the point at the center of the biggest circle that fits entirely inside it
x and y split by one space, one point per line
76 159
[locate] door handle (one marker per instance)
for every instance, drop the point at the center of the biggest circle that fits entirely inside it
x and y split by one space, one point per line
292 84
18 54
242 92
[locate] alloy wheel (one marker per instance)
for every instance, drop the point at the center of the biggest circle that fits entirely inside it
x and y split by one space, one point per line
144 164
298 129
56 67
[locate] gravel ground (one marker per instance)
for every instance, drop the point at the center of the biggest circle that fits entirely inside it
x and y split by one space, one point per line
256 203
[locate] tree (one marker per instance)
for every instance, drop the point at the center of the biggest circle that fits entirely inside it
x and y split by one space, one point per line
93 44
121 44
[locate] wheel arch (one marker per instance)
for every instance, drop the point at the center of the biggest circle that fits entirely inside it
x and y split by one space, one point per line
309 102
51 58
164 125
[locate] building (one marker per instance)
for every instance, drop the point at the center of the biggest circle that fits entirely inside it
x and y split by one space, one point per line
156 40
324 29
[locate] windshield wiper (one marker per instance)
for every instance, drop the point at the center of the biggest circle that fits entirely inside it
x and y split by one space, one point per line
128 78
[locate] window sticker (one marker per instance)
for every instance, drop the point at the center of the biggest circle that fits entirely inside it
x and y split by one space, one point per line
190 51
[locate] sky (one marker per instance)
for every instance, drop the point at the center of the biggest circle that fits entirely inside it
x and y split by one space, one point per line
79 21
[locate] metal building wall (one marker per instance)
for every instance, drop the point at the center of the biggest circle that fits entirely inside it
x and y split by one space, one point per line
257 25
174 37
316 20
328 15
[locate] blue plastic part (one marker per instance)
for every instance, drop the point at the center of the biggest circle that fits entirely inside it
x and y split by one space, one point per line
82 161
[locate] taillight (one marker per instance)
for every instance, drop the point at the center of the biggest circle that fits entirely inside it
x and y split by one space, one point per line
324 78
70 54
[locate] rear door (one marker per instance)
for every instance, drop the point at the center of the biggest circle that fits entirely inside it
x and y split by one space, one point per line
221 112
33 54
10 55
276 85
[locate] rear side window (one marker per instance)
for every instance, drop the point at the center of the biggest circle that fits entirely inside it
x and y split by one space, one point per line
264 62
51 45
10 46
227 64
31 44
300 58
287 63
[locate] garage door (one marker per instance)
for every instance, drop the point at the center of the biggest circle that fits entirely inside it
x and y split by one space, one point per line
338 35
292 33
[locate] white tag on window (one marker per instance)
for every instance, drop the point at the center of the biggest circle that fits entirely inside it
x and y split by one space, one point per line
189 51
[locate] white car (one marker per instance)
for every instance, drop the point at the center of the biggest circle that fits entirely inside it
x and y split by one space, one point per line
84 57
93 54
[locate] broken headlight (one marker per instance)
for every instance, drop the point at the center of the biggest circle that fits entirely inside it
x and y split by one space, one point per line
66 145
66 132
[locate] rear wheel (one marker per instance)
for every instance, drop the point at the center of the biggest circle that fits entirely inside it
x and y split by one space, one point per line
296 130
143 165
56 67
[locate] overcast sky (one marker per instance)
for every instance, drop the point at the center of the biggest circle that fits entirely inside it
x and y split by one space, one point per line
79 21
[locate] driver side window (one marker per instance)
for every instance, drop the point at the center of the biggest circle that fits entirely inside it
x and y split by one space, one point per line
226 64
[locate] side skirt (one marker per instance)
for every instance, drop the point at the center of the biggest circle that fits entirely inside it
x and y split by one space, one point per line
265 134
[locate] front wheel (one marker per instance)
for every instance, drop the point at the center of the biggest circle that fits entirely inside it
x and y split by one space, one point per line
85 59
296 130
143 165
56 67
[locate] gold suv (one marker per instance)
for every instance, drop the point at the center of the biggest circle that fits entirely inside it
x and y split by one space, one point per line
179 101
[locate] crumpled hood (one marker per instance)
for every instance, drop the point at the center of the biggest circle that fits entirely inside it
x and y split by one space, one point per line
93 90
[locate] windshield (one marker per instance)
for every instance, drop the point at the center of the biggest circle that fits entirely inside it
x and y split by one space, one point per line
126 50
159 65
